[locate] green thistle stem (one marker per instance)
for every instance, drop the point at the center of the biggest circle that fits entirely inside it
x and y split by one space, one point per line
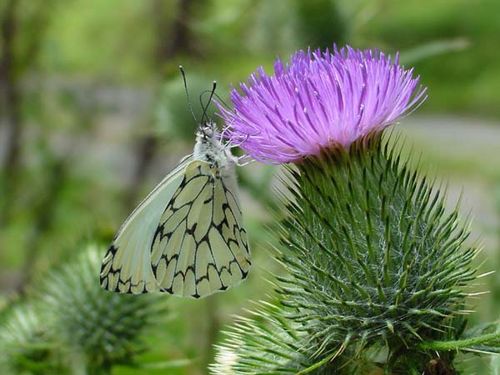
459 344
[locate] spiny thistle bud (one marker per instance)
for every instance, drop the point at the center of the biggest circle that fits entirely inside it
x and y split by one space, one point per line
384 262
102 327
25 343
374 261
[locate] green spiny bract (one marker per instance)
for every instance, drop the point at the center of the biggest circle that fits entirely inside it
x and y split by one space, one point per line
268 342
101 327
265 343
372 256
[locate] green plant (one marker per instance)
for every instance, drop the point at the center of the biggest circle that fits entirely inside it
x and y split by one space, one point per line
25 344
98 329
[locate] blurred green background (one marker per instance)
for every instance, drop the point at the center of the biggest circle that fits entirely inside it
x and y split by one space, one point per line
93 113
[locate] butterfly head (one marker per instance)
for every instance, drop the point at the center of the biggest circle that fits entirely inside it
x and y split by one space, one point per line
209 146
207 131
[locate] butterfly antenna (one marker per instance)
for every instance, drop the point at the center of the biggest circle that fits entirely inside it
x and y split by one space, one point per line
183 73
221 100
205 107
215 95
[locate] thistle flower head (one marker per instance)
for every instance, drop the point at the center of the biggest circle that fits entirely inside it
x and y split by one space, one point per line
319 100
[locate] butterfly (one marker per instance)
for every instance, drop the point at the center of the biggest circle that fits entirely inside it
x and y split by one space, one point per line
186 237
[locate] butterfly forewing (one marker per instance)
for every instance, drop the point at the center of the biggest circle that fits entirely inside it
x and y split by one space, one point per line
126 267
186 238
200 246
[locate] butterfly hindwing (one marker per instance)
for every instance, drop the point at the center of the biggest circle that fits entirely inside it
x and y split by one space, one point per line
200 246
126 267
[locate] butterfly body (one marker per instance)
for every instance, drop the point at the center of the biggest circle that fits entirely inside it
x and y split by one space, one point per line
186 237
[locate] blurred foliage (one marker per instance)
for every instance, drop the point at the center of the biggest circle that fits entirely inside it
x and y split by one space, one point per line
321 22
95 78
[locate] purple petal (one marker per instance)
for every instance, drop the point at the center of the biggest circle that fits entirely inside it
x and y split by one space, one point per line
317 99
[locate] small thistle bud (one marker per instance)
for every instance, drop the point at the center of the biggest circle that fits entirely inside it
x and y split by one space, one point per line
25 344
375 264
102 327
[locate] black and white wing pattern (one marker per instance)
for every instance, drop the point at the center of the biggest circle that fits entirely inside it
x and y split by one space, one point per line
200 246
126 267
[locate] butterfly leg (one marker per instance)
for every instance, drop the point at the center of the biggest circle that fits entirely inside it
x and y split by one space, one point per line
244 160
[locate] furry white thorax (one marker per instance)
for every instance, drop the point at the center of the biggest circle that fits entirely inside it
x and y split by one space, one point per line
210 148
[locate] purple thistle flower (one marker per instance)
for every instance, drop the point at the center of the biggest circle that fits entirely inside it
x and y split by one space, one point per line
319 100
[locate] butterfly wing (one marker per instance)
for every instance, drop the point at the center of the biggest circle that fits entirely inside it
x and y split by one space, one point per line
126 267
200 246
